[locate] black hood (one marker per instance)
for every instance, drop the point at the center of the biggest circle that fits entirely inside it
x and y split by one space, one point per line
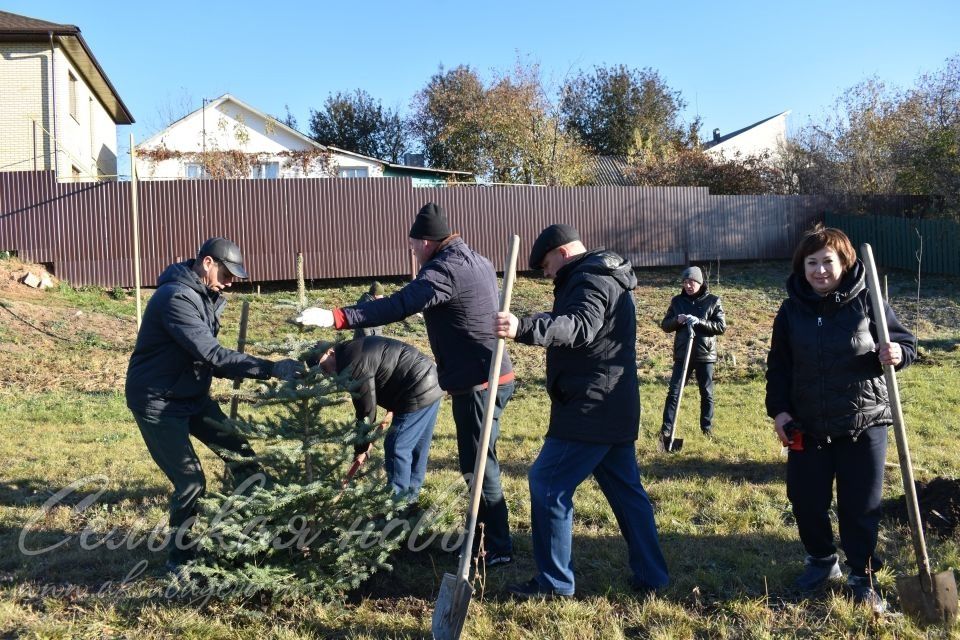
853 282
182 272
601 262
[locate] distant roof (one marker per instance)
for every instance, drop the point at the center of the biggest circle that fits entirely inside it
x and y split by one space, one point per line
612 171
216 102
404 167
714 142
17 28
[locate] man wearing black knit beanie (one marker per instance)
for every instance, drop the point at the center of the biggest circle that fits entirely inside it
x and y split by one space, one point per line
456 289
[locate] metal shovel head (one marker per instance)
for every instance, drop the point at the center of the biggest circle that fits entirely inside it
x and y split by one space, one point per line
450 612
938 607
667 446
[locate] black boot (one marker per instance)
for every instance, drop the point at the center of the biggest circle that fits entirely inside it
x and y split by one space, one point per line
818 571
864 593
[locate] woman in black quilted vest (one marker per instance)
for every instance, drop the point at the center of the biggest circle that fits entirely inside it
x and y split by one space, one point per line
828 399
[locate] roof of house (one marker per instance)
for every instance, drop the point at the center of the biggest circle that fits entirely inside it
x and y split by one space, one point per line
403 167
305 138
17 28
714 142
216 102
611 171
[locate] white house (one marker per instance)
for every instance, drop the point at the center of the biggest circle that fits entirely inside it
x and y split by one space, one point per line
764 137
58 109
267 148
227 138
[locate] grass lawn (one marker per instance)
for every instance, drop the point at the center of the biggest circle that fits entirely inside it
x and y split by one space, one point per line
724 520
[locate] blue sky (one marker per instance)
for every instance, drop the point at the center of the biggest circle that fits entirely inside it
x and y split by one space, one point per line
734 62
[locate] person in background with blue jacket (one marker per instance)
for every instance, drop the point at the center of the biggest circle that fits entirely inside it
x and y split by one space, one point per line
456 289
168 379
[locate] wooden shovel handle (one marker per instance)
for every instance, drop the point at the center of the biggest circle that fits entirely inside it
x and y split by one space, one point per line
493 380
899 426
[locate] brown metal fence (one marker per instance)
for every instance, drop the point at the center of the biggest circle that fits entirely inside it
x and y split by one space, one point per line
358 227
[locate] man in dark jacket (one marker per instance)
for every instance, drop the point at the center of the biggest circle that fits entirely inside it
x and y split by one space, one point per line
168 379
402 380
697 312
456 289
590 336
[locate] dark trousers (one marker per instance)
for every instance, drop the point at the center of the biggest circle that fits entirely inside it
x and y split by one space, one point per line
406 448
556 473
704 374
858 469
468 417
168 440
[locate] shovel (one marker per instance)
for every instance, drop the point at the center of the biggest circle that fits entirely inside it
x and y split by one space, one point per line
455 590
674 444
929 598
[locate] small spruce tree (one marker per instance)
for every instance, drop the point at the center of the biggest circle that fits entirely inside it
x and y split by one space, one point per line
300 528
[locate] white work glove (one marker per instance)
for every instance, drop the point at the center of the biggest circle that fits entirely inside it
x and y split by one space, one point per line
692 321
315 317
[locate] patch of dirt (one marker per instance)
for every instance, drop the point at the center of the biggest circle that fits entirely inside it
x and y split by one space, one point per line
44 348
11 271
939 502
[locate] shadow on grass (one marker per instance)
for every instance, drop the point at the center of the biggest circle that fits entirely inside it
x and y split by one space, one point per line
717 566
35 492
52 557
679 465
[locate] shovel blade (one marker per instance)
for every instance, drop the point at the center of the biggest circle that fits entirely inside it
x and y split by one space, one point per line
937 607
666 446
451 610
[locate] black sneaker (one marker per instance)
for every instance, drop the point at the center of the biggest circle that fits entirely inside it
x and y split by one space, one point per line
864 593
496 559
818 571
532 589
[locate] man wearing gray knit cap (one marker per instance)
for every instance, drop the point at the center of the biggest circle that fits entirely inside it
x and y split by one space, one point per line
696 310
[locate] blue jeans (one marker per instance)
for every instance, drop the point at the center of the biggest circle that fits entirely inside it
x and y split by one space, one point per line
556 473
406 447
468 416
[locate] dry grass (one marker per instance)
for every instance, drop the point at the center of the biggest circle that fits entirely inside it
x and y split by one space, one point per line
725 523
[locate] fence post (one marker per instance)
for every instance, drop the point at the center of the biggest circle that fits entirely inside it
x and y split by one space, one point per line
301 285
135 215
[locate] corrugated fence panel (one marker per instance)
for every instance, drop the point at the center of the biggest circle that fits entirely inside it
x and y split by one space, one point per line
897 241
358 227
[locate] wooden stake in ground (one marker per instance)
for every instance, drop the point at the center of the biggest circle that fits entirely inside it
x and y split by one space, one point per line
241 347
301 285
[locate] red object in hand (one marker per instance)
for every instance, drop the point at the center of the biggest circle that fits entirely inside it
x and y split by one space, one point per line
796 443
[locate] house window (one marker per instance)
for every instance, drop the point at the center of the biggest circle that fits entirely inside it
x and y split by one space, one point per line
265 171
194 171
72 80
353 172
